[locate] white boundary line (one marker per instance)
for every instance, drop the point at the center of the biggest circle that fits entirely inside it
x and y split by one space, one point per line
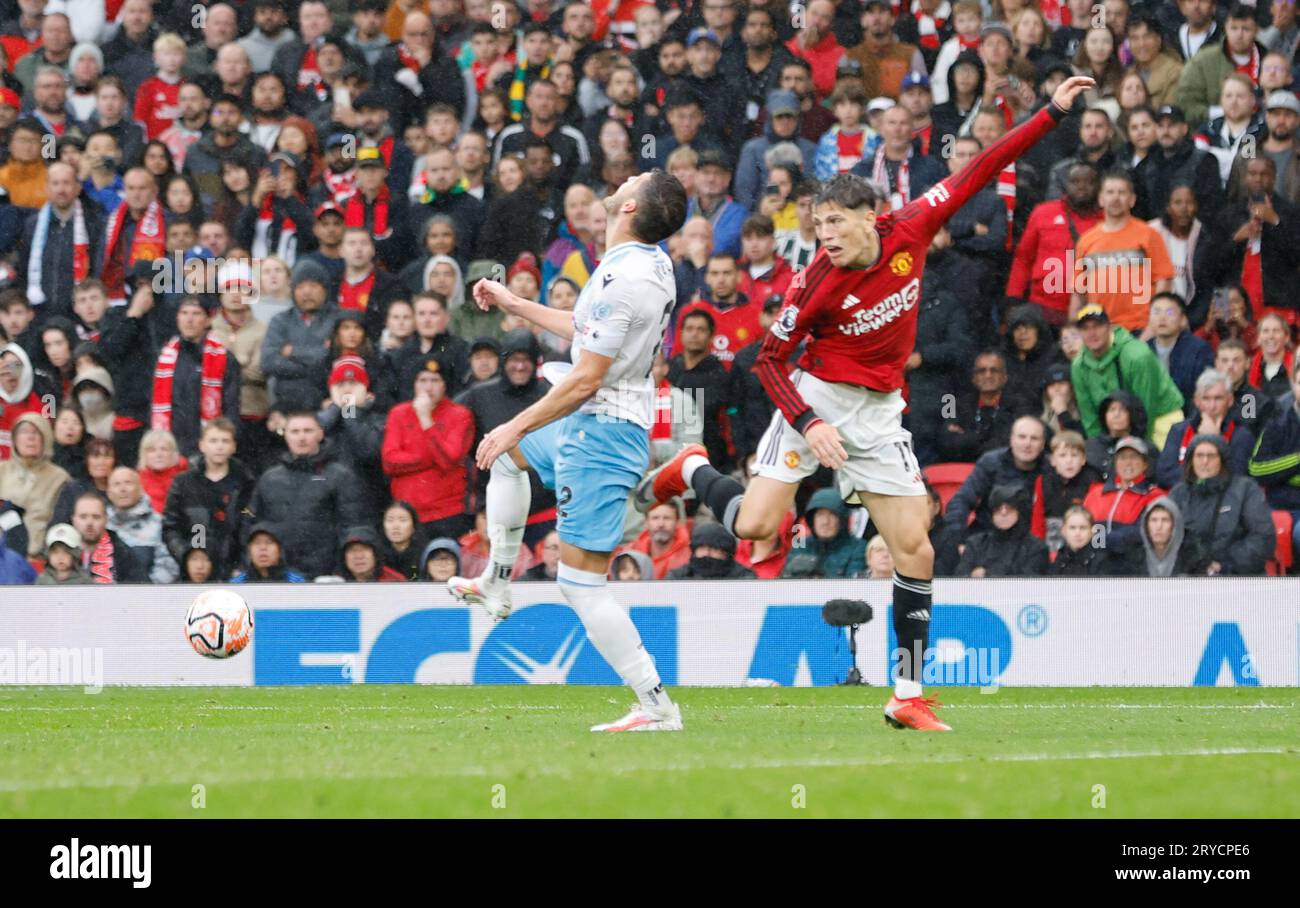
13 786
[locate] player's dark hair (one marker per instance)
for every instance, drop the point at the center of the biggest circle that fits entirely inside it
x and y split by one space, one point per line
700 313
1242 11
848 191
1150 22
722 254
661 208
992 351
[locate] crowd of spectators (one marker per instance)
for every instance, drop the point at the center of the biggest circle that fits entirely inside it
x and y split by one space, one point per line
238 239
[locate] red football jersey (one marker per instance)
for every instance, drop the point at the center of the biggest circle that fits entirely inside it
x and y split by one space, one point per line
734 329
157 105
861 322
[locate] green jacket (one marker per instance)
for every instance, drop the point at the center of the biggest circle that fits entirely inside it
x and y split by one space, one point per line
1128 365
842 556
1202 81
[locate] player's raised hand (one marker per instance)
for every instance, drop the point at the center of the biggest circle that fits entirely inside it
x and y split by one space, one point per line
488 293
497 442
824 439
1070 89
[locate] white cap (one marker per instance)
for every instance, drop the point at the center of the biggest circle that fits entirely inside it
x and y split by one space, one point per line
881 103
64 534
235 273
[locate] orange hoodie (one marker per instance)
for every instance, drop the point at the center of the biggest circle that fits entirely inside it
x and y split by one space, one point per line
673 557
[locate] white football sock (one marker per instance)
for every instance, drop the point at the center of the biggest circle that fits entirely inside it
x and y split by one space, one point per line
690 465
613 634
509 496
905 689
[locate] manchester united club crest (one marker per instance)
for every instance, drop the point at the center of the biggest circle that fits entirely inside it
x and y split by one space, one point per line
792 459
901 264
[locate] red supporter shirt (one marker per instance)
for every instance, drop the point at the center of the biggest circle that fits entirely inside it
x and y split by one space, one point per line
157 105
426 467
356 296
861 322
735 328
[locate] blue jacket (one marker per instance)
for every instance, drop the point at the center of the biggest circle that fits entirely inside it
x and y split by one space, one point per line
1275 462
727 222
1190 357
14 569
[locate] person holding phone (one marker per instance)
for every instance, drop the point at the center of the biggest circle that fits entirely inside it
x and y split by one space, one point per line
1264 230
277 221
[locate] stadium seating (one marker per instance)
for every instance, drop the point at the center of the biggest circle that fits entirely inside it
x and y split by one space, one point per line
1283 556
946 478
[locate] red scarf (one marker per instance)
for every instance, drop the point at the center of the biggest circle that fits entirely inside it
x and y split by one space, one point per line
928 26
662 427
341 185
1007 190
100 560
308 69
1257 367
285 245
354 212
1189 433
214 373
407 59
1252 276
1251 67
924 134
902 193
148 244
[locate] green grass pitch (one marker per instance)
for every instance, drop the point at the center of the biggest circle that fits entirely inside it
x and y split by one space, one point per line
416 751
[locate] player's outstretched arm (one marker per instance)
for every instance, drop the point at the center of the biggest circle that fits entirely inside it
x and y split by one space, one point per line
941 201
582 381
488 293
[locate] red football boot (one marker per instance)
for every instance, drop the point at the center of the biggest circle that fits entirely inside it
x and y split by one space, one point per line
915 712
665 482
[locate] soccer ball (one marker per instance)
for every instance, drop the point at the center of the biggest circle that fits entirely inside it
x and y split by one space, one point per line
219 624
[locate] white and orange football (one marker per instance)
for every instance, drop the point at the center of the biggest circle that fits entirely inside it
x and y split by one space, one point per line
219 624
